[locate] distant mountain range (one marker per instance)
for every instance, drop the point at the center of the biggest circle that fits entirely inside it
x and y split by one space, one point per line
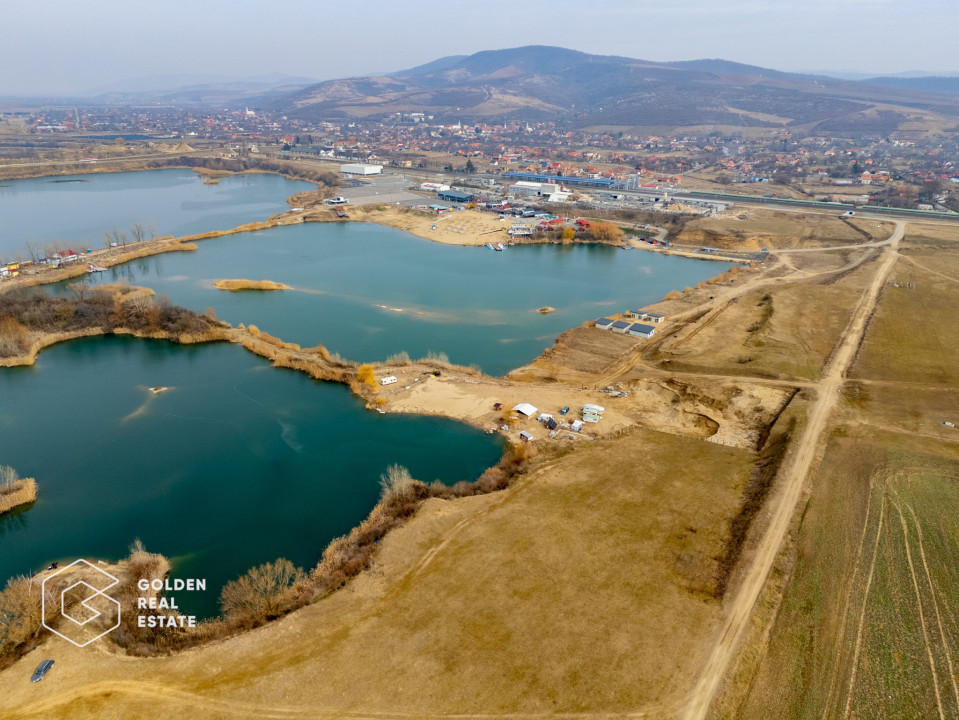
583 90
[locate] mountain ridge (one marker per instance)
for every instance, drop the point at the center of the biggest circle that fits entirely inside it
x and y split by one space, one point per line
540 82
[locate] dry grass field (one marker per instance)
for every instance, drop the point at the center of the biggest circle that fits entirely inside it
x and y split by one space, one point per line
486 605
931 236
754 228
868 626
785 330
913 335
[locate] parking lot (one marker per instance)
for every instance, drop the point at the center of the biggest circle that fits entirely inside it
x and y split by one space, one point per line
372 189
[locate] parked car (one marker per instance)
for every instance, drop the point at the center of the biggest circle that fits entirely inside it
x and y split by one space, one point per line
41 670
564 410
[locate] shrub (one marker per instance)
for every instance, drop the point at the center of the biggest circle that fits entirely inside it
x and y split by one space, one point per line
606 232
400 358
20 614
397 483
265 592
14 337
366 376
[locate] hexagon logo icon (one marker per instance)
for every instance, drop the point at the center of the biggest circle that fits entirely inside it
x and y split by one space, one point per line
74 607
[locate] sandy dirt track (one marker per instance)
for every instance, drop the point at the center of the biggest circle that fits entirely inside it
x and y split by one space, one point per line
739 612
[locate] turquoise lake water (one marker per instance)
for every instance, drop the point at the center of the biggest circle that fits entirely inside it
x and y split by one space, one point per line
367 291
77 209
241 463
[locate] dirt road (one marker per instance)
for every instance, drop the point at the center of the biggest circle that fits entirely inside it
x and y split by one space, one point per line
828 389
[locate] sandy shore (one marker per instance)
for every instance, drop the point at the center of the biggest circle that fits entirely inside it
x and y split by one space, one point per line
462 227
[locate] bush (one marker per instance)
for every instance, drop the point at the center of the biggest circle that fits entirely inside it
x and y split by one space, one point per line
400 358
397 483
20 615
14 338
265 592
606 232
366 376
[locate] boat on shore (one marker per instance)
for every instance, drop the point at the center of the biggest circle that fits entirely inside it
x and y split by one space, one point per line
499 247
91 268
490 246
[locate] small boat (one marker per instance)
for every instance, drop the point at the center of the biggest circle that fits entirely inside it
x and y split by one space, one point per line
91 268
499 247
489 246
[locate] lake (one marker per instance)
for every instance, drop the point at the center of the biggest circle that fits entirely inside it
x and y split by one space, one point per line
77 209
237 464
367 291
241 463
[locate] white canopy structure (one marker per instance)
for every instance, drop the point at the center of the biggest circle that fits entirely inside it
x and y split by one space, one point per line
525 409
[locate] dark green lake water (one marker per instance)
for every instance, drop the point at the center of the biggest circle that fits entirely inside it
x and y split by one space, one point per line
238 464
367 291
77 209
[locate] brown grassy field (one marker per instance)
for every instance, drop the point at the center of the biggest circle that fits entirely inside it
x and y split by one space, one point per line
588 586
931 236
913 335
868 626
784 330
755 228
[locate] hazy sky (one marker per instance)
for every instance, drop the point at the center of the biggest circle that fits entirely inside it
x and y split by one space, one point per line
69 46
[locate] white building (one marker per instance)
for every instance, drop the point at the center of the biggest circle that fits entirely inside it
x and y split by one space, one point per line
523 187
361 169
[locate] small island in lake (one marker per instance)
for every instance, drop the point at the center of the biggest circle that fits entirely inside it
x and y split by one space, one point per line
14 490
237 285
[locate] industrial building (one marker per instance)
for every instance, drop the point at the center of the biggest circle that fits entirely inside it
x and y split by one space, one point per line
454 196
557 179
523 187
361 169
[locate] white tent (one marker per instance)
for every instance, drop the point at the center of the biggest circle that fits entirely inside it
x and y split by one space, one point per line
525 409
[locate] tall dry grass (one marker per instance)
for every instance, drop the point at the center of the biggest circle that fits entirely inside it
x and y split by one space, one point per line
14 490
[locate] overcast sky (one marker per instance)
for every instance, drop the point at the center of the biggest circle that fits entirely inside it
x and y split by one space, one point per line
71 46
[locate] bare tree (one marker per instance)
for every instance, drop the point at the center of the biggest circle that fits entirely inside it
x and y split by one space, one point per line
33 250
79 289
118 236
138 232
152 228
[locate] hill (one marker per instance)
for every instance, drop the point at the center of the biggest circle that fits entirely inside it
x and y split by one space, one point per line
581 90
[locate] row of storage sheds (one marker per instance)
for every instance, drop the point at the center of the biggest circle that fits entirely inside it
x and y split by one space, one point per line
645 316
626 328
592 413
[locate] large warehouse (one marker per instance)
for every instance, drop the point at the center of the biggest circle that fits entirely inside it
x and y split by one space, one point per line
361 169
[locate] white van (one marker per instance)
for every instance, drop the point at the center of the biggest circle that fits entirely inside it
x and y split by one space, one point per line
388 380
